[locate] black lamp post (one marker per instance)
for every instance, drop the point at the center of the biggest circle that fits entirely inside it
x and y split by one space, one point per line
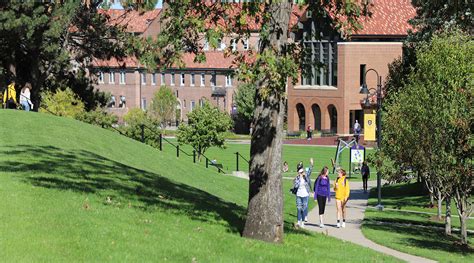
378 93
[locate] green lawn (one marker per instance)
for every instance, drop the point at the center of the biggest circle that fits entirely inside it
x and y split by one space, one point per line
74 192
413 233
293 154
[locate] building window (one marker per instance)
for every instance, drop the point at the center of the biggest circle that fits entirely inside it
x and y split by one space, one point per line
192 79
203 79
122 102
182 81
143 103
213 79
163 79
143 77
122 77
111 77
101 77
228 80
201 102
233 43
246 44
323 53
111 103
153 79
206 45
172 79
193 105
361 74
220 45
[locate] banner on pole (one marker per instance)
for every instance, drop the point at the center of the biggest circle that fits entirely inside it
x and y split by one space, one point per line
369 127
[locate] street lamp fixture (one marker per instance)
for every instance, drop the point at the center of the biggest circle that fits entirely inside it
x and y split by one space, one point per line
377 92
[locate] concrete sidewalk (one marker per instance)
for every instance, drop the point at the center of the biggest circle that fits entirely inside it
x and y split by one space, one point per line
352 232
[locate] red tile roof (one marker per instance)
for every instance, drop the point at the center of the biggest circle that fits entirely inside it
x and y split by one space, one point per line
389 17
127 62
134 21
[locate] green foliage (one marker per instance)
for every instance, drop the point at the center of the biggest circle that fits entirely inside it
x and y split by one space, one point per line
134 120
98 117
429 122
62 103
245 101
163 106
206 128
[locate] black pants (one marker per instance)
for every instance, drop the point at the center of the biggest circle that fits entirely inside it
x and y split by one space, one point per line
364 182
321 204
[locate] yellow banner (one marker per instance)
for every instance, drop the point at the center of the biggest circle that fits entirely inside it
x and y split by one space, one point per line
369 127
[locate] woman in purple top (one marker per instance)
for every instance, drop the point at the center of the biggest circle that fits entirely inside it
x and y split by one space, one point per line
322 192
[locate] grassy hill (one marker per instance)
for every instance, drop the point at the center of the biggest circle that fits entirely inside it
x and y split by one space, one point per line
75 192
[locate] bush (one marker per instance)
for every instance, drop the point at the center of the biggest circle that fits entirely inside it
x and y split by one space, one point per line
98 117
134 120
62 103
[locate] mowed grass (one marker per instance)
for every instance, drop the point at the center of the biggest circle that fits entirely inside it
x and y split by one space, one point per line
413 233
292 154
74 192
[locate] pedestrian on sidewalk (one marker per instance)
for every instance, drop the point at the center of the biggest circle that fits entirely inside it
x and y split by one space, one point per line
322 193
309 133
365 171
308 171
302 193
342 189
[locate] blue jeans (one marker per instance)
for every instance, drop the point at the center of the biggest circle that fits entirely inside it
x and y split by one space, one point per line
306 208
26 105
301 207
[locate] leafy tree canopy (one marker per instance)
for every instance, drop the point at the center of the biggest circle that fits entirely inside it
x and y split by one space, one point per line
245 100
163 106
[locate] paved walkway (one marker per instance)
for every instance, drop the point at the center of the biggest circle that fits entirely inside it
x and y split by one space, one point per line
355 214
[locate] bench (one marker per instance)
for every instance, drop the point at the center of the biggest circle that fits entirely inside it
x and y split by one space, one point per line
327 133
218 165
294 134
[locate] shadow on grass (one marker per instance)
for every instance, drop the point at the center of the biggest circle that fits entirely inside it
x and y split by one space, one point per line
87 172
426 238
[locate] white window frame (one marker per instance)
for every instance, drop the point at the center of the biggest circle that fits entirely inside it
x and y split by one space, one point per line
172 79
123 77
163 79
143 102
203 79
192 105
182 79
228 80
192 79
143 77
246 44
153 79
111 77
233 43
206 45
100 77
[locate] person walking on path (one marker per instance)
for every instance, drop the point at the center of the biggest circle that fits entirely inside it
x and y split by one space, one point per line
365 171
357 130
302 193
342 189
309 133
322 193
9 96
25 99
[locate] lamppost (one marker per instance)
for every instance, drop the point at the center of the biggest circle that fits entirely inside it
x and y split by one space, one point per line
377 92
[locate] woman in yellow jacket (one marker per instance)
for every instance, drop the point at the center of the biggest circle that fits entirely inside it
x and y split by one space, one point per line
342 189
9 96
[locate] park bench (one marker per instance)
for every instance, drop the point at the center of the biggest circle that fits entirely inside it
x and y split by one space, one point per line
293 134
327 133
218 165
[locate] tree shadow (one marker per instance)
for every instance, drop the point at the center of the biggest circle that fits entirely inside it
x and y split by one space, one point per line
427 238
87 172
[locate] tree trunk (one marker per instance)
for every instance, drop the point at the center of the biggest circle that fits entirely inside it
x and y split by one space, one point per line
447 220
440 204
463 220
265 207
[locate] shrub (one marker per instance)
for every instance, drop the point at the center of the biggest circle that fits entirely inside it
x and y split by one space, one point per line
62 103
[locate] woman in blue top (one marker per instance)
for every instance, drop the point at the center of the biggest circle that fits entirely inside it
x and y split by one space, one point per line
322 192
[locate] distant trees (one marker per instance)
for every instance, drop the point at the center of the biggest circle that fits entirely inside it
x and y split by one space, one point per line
429 122
245 101
163 106
206 128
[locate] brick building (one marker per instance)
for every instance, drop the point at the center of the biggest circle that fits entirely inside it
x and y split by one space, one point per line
327 98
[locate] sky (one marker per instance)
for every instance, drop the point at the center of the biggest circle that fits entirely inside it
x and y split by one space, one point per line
117 5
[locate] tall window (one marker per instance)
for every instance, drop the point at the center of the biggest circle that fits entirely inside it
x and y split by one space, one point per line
143 103
172 79
233 43
213 79
182 81
203 79
122 77
143 74
322 67
192 79
101 77
111 77
193 105
228 80
206 45
153 79
246 44
163 78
